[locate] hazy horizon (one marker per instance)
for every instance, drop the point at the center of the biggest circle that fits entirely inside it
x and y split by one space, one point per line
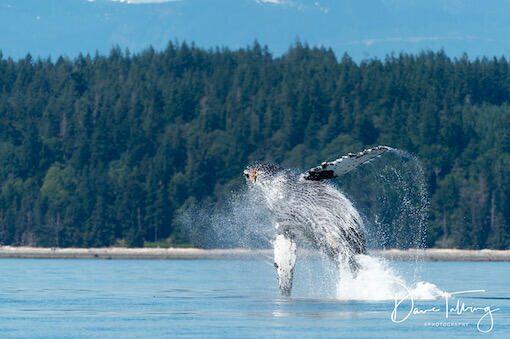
363 29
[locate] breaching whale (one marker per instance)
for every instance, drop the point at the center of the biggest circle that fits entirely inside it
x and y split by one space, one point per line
305 208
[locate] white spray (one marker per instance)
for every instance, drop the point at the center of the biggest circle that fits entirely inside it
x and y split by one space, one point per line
324 221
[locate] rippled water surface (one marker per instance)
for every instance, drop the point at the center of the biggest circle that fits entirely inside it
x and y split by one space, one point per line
231 298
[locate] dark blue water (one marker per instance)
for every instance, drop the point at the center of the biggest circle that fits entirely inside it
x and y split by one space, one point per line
226 298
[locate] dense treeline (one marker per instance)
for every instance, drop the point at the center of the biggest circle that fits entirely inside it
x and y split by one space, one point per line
103 149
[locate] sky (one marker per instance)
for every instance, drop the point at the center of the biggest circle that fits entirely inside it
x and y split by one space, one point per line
362 28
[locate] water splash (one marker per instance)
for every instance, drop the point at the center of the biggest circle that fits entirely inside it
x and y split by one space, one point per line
391 196
240 222
377 280
394 203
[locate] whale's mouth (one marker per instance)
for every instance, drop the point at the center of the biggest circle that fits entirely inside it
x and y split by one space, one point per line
250 175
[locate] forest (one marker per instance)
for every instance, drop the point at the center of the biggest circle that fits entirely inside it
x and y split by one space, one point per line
108 150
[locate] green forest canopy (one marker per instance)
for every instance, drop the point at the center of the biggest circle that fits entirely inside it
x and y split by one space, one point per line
103 149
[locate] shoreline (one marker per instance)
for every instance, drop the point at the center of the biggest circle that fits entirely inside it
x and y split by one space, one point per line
432 254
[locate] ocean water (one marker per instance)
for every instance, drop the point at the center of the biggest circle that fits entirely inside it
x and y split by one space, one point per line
239 298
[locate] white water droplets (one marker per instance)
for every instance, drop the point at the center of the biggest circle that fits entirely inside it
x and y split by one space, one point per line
392 196
377 280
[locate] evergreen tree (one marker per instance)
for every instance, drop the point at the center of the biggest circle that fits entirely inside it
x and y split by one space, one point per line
112 148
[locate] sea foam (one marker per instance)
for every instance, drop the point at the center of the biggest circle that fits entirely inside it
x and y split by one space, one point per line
377 280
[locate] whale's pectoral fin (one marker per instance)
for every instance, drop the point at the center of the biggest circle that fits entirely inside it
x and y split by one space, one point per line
345 164
284 261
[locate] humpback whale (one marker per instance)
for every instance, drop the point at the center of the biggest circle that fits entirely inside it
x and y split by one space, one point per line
306 208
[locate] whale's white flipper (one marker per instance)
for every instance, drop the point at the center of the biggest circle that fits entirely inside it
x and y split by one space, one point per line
284 261
343 165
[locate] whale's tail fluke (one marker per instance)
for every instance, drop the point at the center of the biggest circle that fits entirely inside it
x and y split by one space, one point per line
345 164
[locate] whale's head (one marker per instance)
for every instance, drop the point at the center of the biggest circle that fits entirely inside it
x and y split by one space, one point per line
261 173
269 182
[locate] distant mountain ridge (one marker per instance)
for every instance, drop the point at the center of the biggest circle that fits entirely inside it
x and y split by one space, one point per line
362 28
